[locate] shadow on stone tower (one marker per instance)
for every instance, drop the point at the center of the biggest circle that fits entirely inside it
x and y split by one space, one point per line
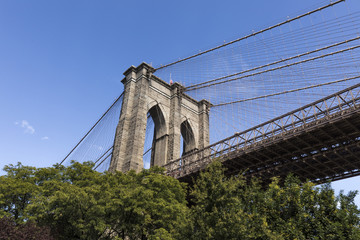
174 113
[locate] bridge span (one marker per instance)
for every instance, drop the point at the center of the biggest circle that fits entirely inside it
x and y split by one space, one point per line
175 115
319 142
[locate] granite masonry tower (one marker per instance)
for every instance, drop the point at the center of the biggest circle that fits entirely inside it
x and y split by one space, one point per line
174 114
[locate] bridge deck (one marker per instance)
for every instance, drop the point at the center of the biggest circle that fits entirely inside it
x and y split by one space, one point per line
319 142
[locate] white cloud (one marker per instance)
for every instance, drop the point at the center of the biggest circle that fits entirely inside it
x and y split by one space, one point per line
25 124
97 147
45 138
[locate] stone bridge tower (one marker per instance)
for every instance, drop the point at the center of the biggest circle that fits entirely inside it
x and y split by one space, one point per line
174 114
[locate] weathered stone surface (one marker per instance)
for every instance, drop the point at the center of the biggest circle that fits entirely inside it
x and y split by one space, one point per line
174 113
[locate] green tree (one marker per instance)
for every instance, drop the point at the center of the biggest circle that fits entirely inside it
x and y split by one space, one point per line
16 190
229 208
303 211
76 202
226 208
146 205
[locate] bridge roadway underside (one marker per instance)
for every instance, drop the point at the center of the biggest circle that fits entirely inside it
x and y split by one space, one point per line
323 151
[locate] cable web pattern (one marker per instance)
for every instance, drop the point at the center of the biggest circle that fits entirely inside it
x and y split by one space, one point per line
269 73
253 79
96 146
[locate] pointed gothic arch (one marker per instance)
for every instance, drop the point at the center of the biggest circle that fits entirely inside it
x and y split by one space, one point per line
187 133
145 94
159 142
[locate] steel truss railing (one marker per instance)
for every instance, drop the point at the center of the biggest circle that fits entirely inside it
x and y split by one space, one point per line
323 109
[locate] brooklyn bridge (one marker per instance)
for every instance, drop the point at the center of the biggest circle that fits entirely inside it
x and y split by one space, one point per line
285 99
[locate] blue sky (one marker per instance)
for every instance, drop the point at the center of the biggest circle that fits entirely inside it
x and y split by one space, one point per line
61 62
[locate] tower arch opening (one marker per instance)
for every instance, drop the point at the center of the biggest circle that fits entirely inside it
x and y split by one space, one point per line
149 136
167 106
156 132
188 138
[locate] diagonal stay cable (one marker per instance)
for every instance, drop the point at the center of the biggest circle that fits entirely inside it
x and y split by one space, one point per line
147 151
253 34
103 160
82 139
277 68
104 154
267 122
287 91
195 86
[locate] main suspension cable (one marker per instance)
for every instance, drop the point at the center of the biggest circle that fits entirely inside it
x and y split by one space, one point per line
251 35
277 68
193 87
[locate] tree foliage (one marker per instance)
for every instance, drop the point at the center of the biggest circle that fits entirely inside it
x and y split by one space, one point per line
230 208
76 202
25 231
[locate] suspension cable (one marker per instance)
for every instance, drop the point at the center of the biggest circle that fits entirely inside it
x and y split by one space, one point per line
82 139
287 91
192 87
251 35
277 68
104 154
